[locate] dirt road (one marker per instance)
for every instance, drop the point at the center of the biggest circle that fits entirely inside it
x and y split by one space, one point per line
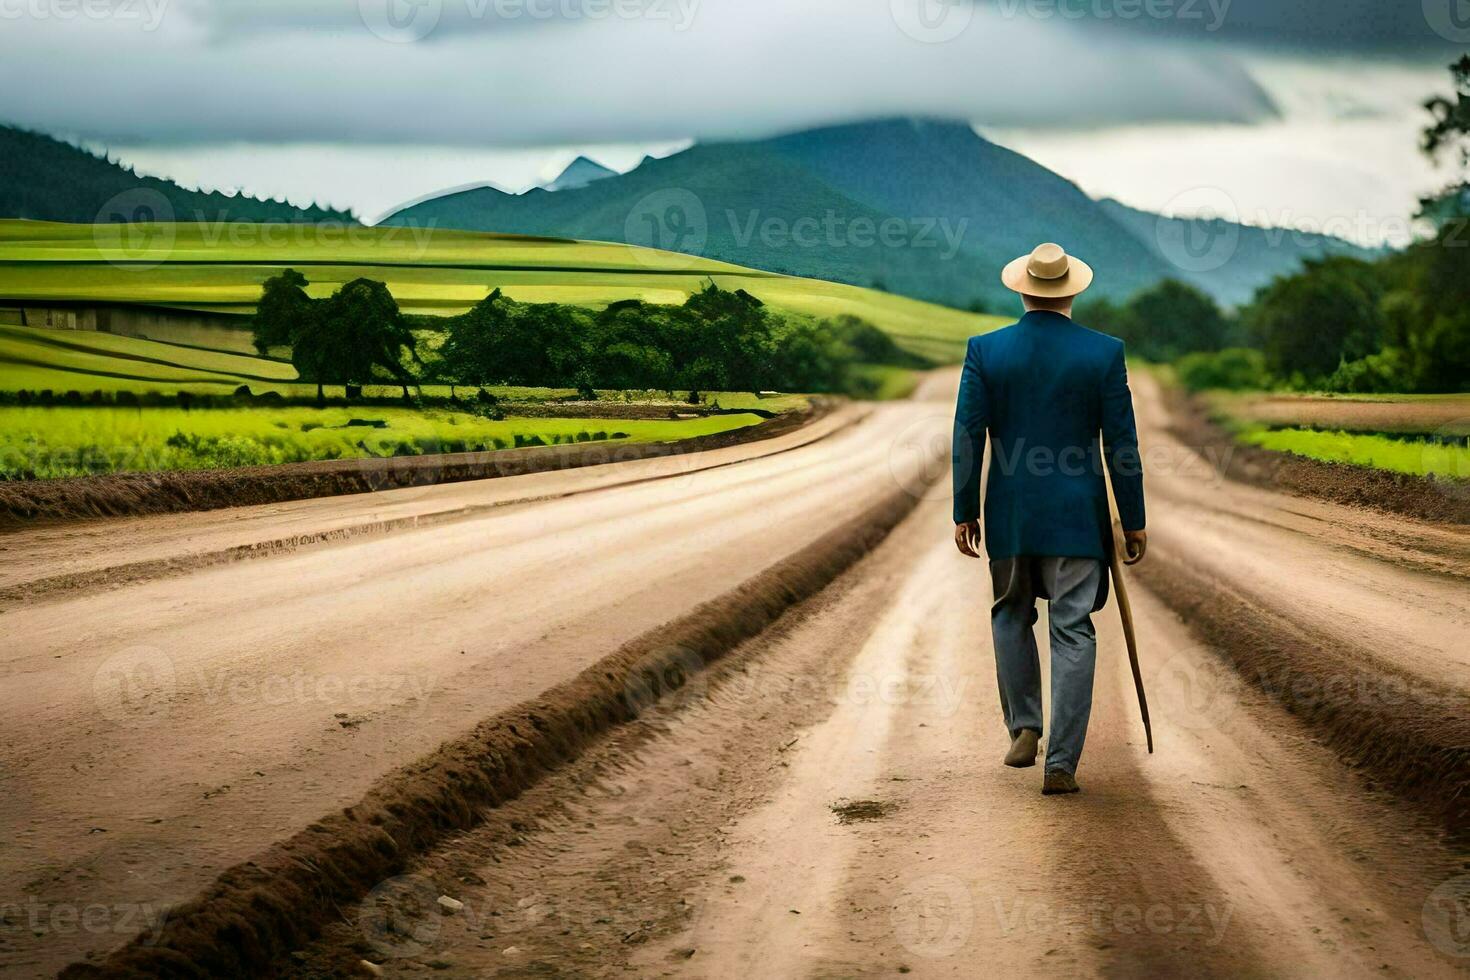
159 727
170 709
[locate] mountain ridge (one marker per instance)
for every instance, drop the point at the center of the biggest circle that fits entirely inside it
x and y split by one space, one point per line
47 179
923 207
579 173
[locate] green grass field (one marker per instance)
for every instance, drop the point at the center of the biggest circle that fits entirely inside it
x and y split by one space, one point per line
1419 435
56 442
219 269
1398 455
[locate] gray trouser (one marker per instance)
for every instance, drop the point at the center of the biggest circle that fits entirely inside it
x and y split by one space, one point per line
1073 587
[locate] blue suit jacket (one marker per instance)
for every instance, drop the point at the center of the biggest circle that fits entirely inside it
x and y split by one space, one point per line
1045 389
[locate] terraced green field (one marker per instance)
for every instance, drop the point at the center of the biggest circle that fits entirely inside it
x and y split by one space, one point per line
57 442
219 269
36 358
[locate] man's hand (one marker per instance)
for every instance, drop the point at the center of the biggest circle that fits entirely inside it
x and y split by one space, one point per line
967 538
1137 543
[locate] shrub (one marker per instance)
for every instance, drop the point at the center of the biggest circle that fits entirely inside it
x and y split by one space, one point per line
1390 370
1235 368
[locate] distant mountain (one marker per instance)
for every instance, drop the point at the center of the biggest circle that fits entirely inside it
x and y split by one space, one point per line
1229 260
925 208
46 179
579 173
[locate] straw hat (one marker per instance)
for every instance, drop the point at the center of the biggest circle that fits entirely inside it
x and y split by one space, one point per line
1048 272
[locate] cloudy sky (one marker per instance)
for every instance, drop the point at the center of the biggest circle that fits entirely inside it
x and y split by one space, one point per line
1302 112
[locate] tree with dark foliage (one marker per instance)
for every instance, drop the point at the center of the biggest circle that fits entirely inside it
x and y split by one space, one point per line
282 312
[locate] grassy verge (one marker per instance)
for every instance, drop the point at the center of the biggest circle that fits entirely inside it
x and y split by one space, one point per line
1416 457
1415 435
41 443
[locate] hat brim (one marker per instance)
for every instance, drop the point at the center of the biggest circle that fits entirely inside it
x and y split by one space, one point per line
1016 278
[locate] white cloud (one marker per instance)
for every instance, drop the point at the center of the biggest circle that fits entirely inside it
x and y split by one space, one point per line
1343 157
740 67
304 98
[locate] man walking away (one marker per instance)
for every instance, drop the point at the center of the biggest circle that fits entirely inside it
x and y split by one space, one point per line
1044 389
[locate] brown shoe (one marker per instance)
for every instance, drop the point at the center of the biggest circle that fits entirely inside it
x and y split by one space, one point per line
1056 781
1023 750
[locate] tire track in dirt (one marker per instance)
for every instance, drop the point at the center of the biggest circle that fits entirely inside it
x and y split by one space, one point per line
257 911
702 843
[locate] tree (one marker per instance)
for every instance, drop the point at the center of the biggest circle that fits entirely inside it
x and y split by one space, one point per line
1109 317
1439 335
283 311
1172 319
314 354
1311 322
1438 332
469 354
734 340
1448 136
356 331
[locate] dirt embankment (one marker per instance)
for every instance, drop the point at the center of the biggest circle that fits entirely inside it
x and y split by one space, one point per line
1409 733
1412 496
130 494
257 911
1387 700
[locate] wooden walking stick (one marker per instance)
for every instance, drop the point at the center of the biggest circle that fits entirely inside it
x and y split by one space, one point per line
1125 610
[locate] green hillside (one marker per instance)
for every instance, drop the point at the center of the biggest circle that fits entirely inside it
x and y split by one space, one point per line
815 203
48 180
192 267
